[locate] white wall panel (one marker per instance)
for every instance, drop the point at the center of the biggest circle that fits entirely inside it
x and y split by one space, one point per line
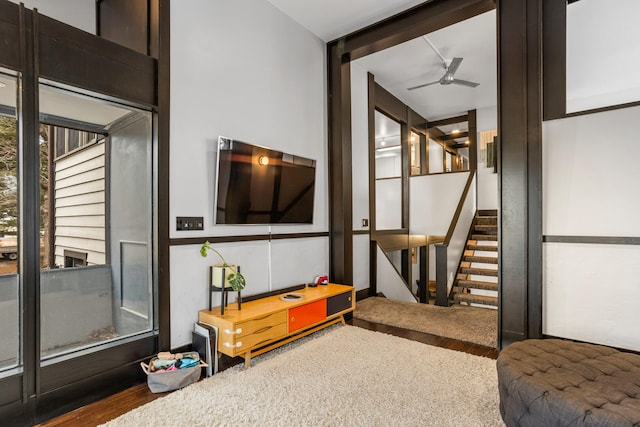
434 199
189 276
298 261
591 174
361 261
603 53
591 293
487 119
388 204
389 281
246 71
436 157
359 145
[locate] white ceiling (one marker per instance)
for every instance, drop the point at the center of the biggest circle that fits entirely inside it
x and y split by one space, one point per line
414 62
330 19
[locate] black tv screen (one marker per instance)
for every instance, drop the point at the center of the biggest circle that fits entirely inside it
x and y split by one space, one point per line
257 185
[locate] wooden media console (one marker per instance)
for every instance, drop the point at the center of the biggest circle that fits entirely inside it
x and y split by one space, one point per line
267 323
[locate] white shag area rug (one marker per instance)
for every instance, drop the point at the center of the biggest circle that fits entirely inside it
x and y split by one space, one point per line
343 376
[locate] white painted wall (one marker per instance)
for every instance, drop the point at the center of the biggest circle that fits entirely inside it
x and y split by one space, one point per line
591 174
389 165
590 178
436 153
487 119
603 53
389 281
434 199
361 261
389 204
247 71
591 293
78 13
359 146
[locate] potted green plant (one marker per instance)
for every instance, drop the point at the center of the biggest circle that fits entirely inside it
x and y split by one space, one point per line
233 277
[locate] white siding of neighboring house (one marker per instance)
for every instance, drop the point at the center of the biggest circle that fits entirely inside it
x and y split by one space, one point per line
80 204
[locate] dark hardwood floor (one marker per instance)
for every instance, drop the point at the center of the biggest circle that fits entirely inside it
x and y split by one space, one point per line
113 406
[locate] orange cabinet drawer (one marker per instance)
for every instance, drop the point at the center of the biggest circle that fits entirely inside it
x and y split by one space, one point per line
307 314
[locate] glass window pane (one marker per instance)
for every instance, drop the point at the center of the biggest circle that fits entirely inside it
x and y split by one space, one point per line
9 282
96 282
414 154
436 160
388 157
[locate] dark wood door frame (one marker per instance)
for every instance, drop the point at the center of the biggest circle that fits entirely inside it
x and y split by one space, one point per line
519 125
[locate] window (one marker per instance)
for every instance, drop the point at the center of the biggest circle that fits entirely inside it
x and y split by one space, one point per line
75 259
96 181
10 307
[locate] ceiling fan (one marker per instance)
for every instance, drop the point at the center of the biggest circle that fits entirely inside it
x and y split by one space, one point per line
450 67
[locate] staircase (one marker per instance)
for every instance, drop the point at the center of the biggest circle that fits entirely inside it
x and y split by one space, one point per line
477 278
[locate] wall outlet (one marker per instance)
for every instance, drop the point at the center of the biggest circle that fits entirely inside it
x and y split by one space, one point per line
365 222
185 223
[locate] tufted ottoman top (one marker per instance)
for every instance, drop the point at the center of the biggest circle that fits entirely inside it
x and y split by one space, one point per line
562 383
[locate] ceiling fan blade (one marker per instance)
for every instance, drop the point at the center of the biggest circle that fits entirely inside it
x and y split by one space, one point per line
453 67
464 83
423 85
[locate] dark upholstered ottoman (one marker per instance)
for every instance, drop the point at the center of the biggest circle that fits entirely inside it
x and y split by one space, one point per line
561 383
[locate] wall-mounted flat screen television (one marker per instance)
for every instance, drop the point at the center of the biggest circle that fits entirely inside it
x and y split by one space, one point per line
257 185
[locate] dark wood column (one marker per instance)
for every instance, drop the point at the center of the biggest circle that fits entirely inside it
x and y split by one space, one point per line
340 188
520 177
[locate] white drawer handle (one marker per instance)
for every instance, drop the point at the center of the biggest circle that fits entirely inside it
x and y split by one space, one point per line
229 345
229 332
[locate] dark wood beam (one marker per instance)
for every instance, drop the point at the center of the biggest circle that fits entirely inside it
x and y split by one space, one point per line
415 22
448 121
452 136
458 146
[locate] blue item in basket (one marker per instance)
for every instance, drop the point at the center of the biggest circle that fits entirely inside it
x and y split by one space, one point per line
186 362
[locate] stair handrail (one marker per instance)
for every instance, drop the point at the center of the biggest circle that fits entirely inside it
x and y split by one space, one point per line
442 291
456 215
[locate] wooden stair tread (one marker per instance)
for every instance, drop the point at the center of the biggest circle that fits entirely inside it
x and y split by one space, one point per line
477 284
485 227
481 259
491 220
493 237
475 299
479 271
476 247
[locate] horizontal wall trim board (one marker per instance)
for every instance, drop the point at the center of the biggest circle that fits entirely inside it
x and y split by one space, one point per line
360 232
248 238
602 240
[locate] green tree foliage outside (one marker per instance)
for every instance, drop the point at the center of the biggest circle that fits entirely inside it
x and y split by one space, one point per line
9 175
